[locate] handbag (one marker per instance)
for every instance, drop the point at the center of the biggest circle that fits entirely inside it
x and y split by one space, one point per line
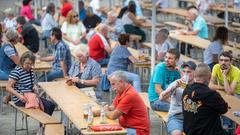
105 84
33 101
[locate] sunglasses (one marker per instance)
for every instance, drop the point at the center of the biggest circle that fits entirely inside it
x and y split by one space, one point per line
75 16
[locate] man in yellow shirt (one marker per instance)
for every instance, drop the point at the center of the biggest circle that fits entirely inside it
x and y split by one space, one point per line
225 76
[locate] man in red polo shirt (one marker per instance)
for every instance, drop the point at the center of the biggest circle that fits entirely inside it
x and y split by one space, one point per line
127 106
66 7
99 47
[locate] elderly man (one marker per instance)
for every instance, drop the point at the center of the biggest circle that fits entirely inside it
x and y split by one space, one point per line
99 46
10 20
225 76
175 90
202 106
85 72
163 74
114 26
162 43
127 106
197 24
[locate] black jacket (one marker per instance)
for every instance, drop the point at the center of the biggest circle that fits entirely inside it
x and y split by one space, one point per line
202 108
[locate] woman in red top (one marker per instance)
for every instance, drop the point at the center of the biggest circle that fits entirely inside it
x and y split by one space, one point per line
26 11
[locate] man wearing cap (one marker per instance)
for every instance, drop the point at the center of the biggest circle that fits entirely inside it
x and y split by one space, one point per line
202 106
175 90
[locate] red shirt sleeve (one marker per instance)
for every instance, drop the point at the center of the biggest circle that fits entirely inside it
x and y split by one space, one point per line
125 104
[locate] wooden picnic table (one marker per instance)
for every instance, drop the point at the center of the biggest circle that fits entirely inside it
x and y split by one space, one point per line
230 9
201 43
71 100
183 12
233 103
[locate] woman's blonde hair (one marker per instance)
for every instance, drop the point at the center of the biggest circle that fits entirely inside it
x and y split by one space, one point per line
70 16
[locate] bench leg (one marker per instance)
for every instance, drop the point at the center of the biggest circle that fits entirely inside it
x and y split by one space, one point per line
15 122
26 124
2 92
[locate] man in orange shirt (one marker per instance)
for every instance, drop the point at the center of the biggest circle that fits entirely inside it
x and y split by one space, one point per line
127 106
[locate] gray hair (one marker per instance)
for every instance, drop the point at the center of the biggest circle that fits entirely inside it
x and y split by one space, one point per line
83 49
11 35
118 75
164 32
100 27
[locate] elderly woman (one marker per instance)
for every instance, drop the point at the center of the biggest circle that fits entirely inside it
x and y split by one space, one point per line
85 72
73 30
121 58
9 58
21 81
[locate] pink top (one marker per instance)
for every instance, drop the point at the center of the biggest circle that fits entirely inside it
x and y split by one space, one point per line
26 11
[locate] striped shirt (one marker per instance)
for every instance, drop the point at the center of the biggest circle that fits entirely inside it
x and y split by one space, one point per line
91 70
24 81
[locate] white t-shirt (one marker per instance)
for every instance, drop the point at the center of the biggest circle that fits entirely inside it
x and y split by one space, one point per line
95 4
10 23
72 30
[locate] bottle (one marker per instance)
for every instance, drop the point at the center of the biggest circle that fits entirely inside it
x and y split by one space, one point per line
102 116
184 81
90 116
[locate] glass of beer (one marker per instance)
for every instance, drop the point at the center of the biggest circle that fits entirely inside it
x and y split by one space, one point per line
85 111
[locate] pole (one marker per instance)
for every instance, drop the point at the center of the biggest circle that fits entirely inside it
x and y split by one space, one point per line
153 35
226 14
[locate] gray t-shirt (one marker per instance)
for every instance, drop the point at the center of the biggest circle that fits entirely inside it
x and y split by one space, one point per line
164 47
214 48
176 100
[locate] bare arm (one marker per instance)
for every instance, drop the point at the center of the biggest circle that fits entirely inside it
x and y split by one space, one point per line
47 59
15 59
158 88
132 59
69 39
113 114
92 82
9 88
108 49
134 19
213 84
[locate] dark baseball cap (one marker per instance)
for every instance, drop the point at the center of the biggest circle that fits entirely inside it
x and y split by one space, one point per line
189 64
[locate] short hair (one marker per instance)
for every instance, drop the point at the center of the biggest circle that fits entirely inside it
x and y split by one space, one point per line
118 75
70 16
57 33
123 39
221 34
27 55
82 49
193 9
9 11
164 32
226 54
50 8
26 2
202 72
21 20
11 35
81 2
174 52
100 27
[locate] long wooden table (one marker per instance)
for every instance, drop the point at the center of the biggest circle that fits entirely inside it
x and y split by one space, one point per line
233 103
183 12
201 43
70 99
230 9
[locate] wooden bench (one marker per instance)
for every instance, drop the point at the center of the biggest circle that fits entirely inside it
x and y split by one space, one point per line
2 86
36 114
176 25
162 115
54 129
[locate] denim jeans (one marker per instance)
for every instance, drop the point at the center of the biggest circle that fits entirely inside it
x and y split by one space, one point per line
53 74
134 79
159 105
104 62
3 75
131 131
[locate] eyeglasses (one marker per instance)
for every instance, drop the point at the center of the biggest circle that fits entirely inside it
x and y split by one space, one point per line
75 16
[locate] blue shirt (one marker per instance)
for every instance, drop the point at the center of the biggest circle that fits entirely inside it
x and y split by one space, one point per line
200 24
82 14
6 63
214 48
163 76
119 59
62 53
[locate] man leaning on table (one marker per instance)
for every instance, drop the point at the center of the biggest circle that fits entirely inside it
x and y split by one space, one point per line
127 106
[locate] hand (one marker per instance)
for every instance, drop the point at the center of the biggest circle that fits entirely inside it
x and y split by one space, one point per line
96 113
75 79
162 95
23 99
106 108
69 82
75 42
224 73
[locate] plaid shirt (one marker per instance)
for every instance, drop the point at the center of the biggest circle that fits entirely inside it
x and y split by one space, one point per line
62 53
91 70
